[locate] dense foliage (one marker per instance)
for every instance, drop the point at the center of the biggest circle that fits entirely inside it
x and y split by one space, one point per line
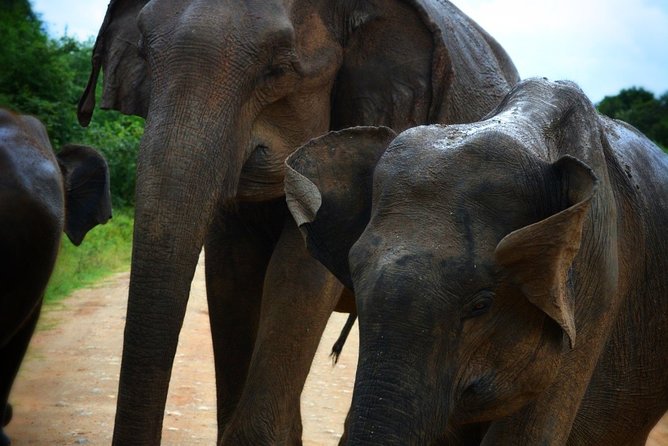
45 77
641 109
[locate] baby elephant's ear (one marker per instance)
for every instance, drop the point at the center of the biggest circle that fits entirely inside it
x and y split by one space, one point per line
328 189
539 256
87 196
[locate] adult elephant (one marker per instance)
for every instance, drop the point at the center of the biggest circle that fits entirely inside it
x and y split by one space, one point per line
229 89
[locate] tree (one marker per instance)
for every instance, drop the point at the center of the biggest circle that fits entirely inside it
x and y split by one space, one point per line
45 77
641 109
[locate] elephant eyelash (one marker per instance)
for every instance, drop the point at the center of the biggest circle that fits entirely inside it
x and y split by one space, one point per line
279 76
479 304
275 71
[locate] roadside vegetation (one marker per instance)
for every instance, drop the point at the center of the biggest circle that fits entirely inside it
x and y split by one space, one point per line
44 77
105 250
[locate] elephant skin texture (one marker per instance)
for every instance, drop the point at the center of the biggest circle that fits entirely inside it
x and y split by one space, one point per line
509 274
229 88
42 194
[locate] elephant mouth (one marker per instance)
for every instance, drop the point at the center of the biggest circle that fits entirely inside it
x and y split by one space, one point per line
483 400
262 175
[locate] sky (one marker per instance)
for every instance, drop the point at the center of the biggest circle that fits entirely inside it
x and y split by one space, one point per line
603 45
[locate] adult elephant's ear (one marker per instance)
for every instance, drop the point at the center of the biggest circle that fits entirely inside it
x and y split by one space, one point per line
87 195
410 62
539 256
328 186
126 80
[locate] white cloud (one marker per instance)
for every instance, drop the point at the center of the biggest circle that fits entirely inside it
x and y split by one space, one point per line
77 18
604 45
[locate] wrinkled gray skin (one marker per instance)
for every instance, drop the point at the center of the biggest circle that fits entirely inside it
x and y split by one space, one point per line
511 281
41 195
229 88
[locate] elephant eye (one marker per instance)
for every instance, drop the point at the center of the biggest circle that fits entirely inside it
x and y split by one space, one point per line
277 80
274 71
479 304
141 48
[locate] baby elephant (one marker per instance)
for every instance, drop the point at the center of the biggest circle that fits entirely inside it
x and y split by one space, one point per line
511 275
41 194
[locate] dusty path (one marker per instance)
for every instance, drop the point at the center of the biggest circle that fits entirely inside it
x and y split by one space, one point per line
66 390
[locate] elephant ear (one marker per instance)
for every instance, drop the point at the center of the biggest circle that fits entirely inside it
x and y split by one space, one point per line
538 257
328 186
126 85
410 62
87 195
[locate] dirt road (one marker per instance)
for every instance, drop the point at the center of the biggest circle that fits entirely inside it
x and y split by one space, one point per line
66 390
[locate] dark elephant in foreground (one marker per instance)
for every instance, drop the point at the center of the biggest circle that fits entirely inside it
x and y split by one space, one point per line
511 275
229 88
41 195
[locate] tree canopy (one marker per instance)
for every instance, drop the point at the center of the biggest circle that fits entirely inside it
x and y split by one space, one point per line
641 109
45 77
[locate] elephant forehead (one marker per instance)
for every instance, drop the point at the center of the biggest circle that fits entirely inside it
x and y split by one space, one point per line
247 23
434 149
438 164
446 268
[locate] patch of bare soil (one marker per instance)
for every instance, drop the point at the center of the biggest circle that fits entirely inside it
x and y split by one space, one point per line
65 393
66 390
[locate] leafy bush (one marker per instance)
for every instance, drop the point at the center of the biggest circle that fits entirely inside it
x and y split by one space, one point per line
106 249
117 137
642 110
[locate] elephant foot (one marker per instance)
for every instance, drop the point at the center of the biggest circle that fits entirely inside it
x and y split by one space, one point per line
7 416
253 437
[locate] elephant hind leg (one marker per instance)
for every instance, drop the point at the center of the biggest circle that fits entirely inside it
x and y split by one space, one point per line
236 255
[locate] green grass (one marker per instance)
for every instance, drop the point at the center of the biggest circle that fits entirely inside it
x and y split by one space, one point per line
105 250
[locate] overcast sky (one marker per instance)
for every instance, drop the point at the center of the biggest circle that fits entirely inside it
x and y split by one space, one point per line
603 45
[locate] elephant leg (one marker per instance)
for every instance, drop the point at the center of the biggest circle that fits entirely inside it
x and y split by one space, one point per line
11 356
236 257
299 296
7 415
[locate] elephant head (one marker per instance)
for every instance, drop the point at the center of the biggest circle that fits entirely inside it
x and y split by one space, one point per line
459 243
229 89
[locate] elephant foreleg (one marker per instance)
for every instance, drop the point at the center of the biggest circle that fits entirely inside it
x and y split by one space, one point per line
236 257
299 296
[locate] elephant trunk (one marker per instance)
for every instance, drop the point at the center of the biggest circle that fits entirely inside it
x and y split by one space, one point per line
395 401
183 172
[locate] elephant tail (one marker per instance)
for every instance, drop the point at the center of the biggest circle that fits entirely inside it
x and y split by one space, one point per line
338 345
